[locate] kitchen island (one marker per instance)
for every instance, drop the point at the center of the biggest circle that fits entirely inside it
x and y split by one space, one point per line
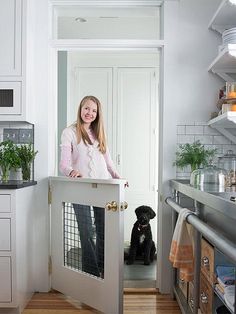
213 221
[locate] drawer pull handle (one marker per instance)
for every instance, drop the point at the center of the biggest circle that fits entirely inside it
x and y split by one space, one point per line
204 298
205 261
191 303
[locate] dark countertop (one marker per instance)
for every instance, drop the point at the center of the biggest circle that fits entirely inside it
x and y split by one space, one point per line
14 184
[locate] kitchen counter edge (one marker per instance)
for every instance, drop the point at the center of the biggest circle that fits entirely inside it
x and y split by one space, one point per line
14 184
218 202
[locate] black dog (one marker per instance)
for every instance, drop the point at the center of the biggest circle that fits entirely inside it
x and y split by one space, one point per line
141 236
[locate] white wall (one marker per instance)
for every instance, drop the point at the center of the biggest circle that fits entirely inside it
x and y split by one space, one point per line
38 102
189 94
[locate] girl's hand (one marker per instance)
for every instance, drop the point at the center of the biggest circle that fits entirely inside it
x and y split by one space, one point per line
75 174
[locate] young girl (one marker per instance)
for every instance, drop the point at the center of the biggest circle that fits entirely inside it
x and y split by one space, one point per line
84 153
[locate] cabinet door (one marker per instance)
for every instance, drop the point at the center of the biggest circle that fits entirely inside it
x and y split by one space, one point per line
10 37
5 279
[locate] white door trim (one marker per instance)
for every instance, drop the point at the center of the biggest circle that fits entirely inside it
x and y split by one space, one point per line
106 44
109 3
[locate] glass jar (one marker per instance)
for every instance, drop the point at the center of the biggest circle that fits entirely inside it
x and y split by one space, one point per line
228 162
230 90
209 178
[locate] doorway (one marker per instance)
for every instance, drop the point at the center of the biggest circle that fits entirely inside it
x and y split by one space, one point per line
121 68
127 85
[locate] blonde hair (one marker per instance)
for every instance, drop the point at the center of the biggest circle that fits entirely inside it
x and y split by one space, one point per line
97 125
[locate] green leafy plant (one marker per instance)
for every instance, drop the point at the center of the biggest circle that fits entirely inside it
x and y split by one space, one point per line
194 154
26 154
8 158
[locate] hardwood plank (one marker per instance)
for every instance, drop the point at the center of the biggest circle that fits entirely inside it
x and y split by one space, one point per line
136 301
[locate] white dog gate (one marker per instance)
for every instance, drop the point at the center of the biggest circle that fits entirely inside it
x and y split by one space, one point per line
74 272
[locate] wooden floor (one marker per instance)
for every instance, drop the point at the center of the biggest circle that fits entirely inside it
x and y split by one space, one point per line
135 302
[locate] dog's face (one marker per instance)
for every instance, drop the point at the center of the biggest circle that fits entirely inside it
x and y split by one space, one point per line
144 214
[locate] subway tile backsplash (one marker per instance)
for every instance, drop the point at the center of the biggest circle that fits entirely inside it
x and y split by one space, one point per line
18 132
208 136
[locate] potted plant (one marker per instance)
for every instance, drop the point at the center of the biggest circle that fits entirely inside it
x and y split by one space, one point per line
195 155
26 154
8 158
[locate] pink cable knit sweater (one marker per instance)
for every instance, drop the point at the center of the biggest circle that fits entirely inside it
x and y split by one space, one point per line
87 159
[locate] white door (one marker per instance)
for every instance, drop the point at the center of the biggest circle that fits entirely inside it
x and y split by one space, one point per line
104 291
136 137
129 99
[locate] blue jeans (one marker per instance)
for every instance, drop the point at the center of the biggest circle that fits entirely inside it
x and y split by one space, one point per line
92 253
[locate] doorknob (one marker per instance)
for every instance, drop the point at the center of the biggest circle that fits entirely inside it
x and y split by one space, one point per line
114 207
123 205
111 206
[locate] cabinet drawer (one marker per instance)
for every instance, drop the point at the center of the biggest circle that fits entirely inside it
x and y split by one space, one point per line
5 234
5 279
190 295
5 203
207 261
206 296
183 285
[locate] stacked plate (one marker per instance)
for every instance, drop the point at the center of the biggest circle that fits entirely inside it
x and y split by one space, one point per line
229 36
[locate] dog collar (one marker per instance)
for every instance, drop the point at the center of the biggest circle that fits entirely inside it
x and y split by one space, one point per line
142 227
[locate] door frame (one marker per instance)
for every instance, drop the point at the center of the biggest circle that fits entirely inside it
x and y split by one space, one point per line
56 45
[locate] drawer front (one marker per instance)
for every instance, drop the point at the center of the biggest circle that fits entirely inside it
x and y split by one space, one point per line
207 261
190 295
5 203
5 234
206 296
5 279
183 285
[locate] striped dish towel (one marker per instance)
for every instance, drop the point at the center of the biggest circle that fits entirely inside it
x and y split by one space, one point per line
181 251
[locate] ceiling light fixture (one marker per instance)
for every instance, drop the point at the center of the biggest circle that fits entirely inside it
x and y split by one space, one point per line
232 1
108 17
232 49
80 19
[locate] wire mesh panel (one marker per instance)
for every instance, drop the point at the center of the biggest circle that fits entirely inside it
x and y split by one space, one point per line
84 238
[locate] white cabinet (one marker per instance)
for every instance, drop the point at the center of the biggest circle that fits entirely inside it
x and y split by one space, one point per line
12 60
224 18
10 37
16 233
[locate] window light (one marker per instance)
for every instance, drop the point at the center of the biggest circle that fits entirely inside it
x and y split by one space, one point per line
232 1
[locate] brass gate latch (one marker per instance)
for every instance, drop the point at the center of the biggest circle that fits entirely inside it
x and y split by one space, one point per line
114 206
